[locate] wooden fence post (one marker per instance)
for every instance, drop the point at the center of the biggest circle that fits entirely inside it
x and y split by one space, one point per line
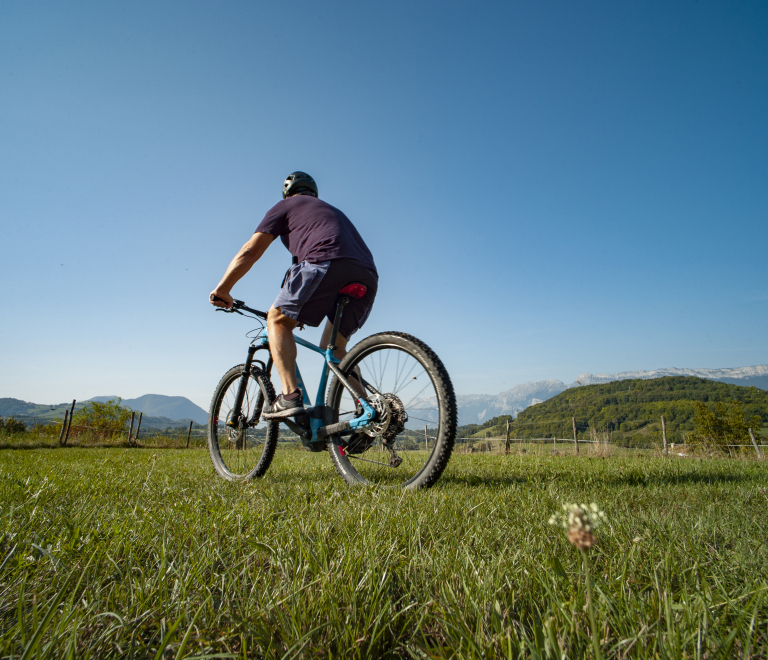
71 415
664 434
63 427
189 433
426 442
754 442
130 432
506 443
138 428
575 437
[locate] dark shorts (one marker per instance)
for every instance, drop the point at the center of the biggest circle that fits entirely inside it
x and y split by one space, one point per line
310 291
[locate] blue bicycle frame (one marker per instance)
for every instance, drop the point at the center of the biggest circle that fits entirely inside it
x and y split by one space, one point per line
320 425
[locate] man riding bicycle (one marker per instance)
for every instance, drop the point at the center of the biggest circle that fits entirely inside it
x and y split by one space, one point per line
329 254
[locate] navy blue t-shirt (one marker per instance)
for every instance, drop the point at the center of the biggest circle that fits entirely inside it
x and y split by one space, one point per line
315 231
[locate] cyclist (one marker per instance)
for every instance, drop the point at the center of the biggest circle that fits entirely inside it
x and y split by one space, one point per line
329 253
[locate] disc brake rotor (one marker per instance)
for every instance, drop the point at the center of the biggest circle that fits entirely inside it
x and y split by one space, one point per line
390 417
381 406
235 436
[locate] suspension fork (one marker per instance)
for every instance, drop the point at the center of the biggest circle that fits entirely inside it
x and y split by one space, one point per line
260 396
236 421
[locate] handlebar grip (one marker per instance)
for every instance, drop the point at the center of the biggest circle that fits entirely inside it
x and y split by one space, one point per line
238 305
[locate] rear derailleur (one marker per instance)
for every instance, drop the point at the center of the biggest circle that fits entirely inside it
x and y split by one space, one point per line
394 459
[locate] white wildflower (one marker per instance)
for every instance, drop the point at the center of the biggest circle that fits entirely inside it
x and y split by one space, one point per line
579 521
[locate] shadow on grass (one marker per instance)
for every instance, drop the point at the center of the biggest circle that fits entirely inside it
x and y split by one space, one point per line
48 445
687 479
481 480
95 445
614 477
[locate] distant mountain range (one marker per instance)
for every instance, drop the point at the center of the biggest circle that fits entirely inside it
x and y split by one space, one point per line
160 405
745 376
478 408
472 408
160 412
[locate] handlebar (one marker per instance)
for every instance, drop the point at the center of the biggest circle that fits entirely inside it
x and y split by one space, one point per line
237 305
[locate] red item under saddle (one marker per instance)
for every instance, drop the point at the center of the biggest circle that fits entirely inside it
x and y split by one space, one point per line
354 290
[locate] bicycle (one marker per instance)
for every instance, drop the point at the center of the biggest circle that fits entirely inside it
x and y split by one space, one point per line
371 438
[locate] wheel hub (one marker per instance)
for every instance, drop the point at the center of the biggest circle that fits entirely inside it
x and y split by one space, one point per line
381 421
235 436
390 417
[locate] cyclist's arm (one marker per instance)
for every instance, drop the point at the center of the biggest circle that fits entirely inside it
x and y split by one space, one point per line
248 255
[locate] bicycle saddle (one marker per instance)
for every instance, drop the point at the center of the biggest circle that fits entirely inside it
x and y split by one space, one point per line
354 290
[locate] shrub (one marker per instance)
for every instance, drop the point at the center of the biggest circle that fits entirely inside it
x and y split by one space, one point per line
10 426
100 420
725 425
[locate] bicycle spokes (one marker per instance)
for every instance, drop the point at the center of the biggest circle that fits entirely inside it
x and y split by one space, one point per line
237 445
394 449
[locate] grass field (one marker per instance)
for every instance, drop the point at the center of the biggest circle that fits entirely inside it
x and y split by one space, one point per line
145 553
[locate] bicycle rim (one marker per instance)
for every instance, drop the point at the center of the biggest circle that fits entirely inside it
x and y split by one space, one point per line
411 378
240 453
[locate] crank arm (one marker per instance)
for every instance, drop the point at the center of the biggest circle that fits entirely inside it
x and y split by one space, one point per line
303 432
351 425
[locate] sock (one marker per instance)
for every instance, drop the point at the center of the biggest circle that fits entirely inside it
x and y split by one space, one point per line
293 396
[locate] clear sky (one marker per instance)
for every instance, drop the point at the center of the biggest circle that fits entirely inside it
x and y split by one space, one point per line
548 188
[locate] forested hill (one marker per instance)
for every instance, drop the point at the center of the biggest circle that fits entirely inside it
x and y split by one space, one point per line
632 407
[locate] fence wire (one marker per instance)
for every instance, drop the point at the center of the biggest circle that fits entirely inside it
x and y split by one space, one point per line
182 432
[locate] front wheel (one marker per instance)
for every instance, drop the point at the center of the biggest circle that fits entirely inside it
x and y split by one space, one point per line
241 453
409 444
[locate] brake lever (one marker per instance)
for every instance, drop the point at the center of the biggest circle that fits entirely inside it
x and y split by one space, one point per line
235 305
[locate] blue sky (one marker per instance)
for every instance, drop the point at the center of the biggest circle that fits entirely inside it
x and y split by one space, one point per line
548 188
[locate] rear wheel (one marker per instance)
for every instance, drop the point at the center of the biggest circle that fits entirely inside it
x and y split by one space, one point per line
411 441
241 453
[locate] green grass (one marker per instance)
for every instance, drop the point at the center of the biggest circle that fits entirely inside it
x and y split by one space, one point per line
145 553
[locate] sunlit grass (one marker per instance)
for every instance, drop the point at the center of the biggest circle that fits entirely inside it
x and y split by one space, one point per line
140 553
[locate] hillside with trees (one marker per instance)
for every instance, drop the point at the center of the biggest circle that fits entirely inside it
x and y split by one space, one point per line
629 411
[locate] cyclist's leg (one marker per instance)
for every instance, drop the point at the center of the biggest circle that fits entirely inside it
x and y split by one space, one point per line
289 309
282 346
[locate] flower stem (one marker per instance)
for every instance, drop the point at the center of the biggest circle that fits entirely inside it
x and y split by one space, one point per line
591 606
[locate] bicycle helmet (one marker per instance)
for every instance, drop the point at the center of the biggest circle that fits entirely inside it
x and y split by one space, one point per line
299 182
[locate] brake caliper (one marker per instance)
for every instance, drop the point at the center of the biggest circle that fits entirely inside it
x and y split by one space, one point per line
369 414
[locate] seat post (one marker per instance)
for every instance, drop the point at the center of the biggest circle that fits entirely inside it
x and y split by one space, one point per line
343 300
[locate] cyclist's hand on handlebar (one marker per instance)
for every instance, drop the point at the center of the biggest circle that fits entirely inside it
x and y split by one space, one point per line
220 299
